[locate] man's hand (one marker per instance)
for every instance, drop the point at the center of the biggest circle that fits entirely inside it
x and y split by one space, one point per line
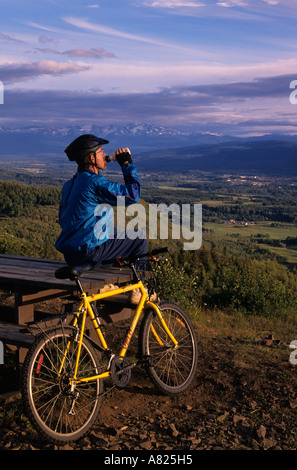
123 155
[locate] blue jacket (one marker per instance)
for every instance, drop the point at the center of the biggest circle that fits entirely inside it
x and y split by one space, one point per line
83 214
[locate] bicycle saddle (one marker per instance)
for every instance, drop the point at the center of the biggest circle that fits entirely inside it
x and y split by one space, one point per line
71 272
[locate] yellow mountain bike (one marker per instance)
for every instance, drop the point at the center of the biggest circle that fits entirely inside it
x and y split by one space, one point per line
64 370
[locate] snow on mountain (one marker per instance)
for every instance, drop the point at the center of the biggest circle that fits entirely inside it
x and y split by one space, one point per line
38 140
139 137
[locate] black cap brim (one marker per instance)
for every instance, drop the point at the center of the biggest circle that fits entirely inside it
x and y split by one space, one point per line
84 144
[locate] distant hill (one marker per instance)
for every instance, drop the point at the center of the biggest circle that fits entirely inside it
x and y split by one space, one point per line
170 149
139 137
37 140
267 157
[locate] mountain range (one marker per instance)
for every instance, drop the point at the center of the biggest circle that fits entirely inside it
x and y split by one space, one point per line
138 137
163 148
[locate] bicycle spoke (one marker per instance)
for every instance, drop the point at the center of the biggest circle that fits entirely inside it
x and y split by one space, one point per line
60 411
173 366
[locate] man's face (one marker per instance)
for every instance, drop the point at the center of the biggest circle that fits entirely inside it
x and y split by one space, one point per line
100 159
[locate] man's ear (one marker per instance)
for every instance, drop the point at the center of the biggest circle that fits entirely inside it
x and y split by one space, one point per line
92 159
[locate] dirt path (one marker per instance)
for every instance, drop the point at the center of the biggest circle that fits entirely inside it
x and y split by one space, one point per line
243 398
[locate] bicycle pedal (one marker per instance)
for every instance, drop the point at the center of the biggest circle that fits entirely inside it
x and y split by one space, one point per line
147 361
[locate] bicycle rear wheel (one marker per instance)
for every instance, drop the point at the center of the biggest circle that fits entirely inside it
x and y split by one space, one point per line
60 414
171 369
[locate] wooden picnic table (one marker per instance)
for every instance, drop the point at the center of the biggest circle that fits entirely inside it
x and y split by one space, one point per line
33 280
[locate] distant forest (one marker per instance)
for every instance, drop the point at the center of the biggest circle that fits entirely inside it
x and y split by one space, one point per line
29 219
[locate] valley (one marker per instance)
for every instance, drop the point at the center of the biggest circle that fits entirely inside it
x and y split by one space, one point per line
248 213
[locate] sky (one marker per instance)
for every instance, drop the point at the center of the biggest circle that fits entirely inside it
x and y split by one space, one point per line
217 66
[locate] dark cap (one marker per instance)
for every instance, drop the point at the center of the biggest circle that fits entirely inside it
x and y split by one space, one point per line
83 146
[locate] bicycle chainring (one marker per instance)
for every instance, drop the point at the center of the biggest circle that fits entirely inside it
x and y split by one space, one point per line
120 371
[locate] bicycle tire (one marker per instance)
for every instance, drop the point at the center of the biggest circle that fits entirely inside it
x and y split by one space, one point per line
170 369
48 400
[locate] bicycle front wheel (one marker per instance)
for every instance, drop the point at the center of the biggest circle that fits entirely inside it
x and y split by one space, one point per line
171 369
60 413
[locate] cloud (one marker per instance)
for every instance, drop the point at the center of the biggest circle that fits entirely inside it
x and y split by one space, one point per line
174 4
264 87
251 10
232 3
212 105
44 28
12 73
9 38
196 3
45 40
93 53
97 28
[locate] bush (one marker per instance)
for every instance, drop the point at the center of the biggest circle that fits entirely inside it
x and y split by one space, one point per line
208 279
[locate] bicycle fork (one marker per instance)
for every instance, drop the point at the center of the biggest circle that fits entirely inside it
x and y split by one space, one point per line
164 325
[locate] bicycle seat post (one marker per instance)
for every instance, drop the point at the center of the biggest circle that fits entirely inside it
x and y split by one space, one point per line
78 283
135 276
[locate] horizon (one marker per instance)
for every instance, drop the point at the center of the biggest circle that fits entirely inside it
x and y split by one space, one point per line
212 66
142 126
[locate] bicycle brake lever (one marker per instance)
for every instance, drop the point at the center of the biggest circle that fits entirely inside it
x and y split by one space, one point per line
119 261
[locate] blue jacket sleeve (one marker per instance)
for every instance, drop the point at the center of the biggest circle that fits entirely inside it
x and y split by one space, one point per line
108 191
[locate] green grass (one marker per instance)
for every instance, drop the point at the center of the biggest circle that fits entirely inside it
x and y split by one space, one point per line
177 188
289 255
267 230
248 233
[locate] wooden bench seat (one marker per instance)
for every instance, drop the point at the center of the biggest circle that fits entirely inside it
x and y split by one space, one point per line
32 280
16 335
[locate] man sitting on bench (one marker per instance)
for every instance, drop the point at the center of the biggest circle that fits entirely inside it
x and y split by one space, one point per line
83 216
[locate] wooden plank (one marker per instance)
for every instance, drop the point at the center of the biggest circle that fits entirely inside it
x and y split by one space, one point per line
22 313
17 258
15 335
116 308
91 275
31 272
35 265
46 282
27 263
116 316
44 264
25 280
50 265
49 277
36 281
32 296
10 267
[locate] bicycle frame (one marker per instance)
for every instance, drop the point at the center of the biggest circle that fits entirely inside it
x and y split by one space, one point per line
85 309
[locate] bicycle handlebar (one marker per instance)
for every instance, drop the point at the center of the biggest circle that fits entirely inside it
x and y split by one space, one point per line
124 261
